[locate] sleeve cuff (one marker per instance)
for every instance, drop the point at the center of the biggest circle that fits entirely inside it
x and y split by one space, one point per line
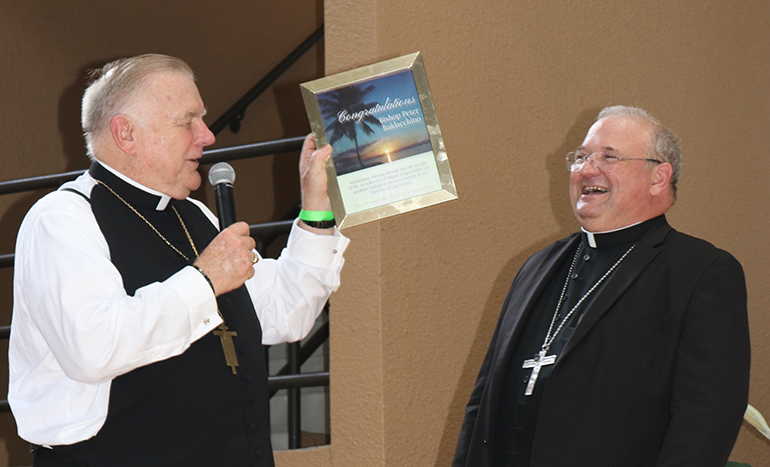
321 251
201 304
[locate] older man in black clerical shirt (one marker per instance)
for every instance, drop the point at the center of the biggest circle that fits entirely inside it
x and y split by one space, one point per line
138 326
625 344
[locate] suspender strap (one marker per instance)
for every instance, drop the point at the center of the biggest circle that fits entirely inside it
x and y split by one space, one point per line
77 193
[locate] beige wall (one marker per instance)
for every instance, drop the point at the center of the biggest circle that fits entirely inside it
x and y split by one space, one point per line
516 85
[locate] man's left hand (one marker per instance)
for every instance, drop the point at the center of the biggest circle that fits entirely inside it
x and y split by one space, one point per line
313 180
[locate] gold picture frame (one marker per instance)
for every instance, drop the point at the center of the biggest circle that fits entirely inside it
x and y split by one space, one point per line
389 156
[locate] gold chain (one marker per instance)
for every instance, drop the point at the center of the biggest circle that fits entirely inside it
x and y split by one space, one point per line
189 238
230 356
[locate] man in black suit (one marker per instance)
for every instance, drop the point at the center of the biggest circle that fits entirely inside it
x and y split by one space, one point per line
625 344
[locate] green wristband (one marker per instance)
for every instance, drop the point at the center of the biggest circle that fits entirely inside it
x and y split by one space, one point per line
316 216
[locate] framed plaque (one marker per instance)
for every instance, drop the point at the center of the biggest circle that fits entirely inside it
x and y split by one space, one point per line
388 154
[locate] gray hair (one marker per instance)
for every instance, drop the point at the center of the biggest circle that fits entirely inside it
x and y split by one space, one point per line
113 87
664 144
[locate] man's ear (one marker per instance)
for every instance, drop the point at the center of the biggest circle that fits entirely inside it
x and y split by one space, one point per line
661 178
122 130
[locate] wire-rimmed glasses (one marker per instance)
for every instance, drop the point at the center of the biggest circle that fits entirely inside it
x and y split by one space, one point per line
601 160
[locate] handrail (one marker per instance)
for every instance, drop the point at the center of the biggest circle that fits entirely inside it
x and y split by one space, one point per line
263 230
302 380
274 384
266 229
36 183
235 114
247 151
264 233
265 148
270 229
281 380
312 344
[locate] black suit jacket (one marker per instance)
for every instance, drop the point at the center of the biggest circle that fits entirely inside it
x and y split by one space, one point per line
656 373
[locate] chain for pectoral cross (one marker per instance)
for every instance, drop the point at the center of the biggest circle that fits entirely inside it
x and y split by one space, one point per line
541 359
225 335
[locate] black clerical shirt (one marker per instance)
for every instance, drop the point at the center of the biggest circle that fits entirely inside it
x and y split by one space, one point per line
188 410
517 415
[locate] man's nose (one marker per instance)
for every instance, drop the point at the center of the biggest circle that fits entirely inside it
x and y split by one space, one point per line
204 136
590 165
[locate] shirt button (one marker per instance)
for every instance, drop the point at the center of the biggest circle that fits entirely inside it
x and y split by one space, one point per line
586 257
206 321
334 251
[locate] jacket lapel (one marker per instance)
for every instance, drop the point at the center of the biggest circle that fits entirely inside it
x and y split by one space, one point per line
619 281
533 278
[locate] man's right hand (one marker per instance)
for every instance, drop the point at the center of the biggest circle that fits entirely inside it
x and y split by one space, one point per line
228 260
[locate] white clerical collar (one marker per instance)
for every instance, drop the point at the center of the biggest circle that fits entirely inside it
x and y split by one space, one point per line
164 199
592 235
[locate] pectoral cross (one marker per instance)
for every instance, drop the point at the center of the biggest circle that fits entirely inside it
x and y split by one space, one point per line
536 363
226 336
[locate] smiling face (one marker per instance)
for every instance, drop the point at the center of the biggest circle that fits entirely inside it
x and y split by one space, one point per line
170 135
630 193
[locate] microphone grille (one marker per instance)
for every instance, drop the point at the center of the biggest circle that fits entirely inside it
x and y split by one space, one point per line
221 172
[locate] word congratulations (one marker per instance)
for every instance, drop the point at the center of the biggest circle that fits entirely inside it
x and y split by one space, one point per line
343 116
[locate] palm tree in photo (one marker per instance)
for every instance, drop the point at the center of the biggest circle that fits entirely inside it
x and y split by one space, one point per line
351 100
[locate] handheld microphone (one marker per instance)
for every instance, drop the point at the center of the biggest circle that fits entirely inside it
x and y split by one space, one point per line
221 177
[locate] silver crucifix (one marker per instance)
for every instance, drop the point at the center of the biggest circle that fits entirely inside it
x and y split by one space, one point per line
536 363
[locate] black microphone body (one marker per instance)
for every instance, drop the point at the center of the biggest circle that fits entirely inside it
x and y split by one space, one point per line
222 176
225 205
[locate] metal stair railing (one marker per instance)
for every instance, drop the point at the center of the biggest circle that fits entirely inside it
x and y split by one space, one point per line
261 232
235 114
289 376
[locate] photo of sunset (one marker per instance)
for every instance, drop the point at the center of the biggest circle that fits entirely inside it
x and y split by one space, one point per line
374 122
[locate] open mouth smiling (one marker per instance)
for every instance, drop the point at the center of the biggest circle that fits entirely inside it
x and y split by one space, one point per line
589 190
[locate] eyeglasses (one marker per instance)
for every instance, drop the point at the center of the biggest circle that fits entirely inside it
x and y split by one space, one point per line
601 160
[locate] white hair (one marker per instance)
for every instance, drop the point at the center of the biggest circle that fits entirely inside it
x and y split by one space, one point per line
113 88
664 144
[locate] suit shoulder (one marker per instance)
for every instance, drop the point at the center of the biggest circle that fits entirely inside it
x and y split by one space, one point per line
695 250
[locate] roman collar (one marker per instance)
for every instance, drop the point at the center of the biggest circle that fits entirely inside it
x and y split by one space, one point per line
135 193
622 236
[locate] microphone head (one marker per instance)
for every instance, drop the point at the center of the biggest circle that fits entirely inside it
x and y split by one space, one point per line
221 172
